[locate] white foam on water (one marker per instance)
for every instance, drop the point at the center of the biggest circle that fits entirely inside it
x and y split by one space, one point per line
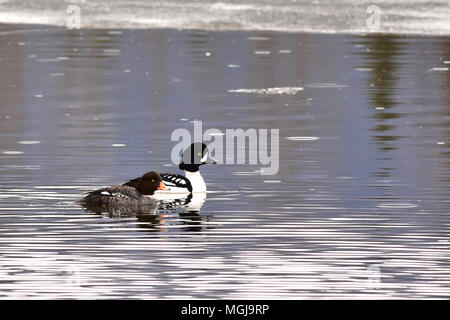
394 205
12 152
29 142
439 69
118 145
111 50
280 90
58 187
258 38
48 60
303 138
262 52
246 173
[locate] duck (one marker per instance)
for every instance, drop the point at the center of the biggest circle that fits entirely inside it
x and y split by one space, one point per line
196 155
125 196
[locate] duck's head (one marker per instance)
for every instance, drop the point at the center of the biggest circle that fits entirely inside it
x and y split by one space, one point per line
194 156
149 183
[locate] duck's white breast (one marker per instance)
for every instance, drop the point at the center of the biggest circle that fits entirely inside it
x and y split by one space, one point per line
197 182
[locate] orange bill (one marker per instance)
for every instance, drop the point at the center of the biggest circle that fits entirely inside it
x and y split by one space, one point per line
161 186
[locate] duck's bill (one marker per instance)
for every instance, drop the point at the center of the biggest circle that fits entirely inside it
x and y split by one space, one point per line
161 186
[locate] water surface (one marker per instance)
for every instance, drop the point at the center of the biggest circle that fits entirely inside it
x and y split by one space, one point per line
362 192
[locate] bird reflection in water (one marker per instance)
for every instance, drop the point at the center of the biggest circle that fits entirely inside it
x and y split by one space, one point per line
189 212
153 216
191 217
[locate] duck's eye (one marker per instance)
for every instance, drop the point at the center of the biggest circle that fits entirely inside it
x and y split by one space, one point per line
199 154
153 180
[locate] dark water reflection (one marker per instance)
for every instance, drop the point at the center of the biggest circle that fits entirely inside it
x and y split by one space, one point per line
363 184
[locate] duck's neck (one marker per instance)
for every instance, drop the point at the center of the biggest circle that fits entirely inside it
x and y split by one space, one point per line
197 182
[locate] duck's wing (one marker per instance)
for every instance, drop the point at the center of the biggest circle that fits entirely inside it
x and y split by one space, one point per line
112 199
176 181
105 194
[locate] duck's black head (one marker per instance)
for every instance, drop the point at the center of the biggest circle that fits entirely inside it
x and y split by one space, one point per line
149 183
194 156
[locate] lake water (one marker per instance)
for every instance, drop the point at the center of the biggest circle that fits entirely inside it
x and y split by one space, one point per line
360 206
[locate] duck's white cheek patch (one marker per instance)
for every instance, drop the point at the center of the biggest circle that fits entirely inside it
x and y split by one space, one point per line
204 158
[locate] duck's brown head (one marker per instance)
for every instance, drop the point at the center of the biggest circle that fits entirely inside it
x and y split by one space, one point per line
149 183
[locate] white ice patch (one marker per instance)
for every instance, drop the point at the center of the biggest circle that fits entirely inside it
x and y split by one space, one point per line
258 38
262 52
303 138
397 205
409 17
439 69
276 90
111 50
